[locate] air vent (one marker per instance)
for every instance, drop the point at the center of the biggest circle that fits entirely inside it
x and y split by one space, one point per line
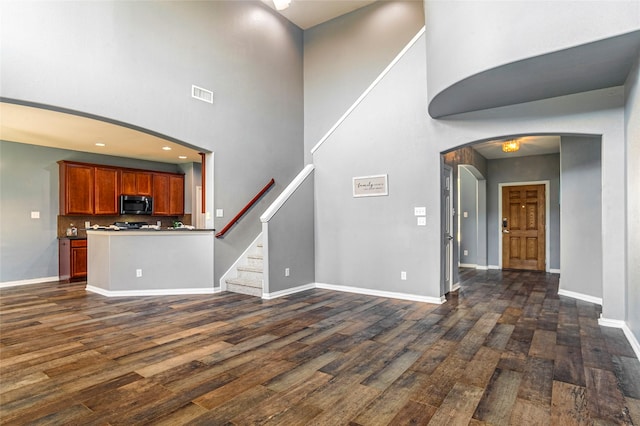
202 94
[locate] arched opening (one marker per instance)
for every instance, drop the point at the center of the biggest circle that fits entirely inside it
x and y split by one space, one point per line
569 168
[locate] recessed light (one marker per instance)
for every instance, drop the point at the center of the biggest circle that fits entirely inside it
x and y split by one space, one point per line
182 157
166 148
100 144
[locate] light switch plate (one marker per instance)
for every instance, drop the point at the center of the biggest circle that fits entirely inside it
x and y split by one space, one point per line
422 221
35 215
465 214
419 211
219 213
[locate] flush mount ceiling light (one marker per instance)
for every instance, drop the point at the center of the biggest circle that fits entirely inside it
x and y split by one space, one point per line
281 4
511 146
100 144
166 148
182 157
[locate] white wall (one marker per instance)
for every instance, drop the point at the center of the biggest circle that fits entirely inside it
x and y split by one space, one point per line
135 62
344 56
480 35
367 242
581 216
632 129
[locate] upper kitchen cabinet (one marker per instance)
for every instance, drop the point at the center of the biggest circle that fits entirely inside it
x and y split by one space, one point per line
168 194
106 191
91 189
136 183
176 195
76 188
86 189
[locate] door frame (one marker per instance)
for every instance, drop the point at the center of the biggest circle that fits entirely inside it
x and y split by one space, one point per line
547 239
447 248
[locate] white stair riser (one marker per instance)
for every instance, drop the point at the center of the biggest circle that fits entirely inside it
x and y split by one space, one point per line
255 262
250 275
251 291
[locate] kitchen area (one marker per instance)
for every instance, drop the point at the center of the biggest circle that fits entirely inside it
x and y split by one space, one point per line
125 232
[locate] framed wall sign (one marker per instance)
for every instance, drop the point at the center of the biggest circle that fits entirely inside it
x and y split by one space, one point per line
370 186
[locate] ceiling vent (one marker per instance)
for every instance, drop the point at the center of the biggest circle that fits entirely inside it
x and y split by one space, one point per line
202 94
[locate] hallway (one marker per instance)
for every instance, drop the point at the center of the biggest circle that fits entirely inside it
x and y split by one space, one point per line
505 349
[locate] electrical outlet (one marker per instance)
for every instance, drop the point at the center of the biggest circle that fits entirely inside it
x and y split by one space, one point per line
286 272
403 275
219 213
422 221
465 252
138 273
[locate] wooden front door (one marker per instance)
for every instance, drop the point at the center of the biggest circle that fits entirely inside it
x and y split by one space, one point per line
523 227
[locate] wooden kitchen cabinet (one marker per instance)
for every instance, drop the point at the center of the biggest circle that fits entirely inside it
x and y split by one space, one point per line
168 194
72 259
136 183
106 191
160 194
91 189
176 195
76 188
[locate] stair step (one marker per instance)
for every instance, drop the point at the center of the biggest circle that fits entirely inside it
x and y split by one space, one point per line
250 268
245 282
242 289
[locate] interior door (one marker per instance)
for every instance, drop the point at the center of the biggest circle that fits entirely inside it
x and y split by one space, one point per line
523 227
447 226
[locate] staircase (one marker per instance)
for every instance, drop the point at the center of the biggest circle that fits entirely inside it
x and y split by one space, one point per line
248 279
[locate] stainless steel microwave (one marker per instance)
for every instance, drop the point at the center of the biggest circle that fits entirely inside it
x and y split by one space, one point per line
136 204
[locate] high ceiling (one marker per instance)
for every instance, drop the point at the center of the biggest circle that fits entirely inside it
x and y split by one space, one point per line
308 13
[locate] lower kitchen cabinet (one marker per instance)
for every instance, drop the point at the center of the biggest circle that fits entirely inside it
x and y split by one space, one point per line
72 256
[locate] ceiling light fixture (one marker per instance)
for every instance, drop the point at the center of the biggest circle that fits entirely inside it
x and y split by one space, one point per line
511 146
281 4
166 148
100 144
182 157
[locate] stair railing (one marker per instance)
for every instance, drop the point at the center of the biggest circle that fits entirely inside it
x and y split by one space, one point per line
245 208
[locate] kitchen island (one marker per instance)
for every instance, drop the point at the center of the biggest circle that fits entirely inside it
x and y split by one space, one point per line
150 262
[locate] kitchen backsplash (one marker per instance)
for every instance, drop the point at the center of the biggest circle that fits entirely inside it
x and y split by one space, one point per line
65 222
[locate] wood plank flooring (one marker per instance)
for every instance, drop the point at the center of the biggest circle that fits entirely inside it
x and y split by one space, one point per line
504 350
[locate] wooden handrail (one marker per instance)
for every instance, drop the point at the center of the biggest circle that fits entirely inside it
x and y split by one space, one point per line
247 207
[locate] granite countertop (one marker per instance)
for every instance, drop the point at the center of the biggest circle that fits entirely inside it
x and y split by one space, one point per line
72 238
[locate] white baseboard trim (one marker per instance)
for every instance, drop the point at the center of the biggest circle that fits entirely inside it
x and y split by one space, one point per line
455 287
482 267
153 292
493 267
580 296
468 265
234 268
606 322
28 282
281 293
554 271
381 293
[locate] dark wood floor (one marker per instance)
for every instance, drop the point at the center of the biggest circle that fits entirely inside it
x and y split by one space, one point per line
506 349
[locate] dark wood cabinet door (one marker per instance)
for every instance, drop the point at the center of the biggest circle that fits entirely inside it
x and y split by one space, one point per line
136 183
176 195
144 183
77 191
106 191
160 194
78 262
128 183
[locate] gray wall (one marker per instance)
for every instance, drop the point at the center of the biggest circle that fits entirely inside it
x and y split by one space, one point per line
291 240
523 169
29 182
581 215
632 126
344 56
367 242
135 62
468 225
